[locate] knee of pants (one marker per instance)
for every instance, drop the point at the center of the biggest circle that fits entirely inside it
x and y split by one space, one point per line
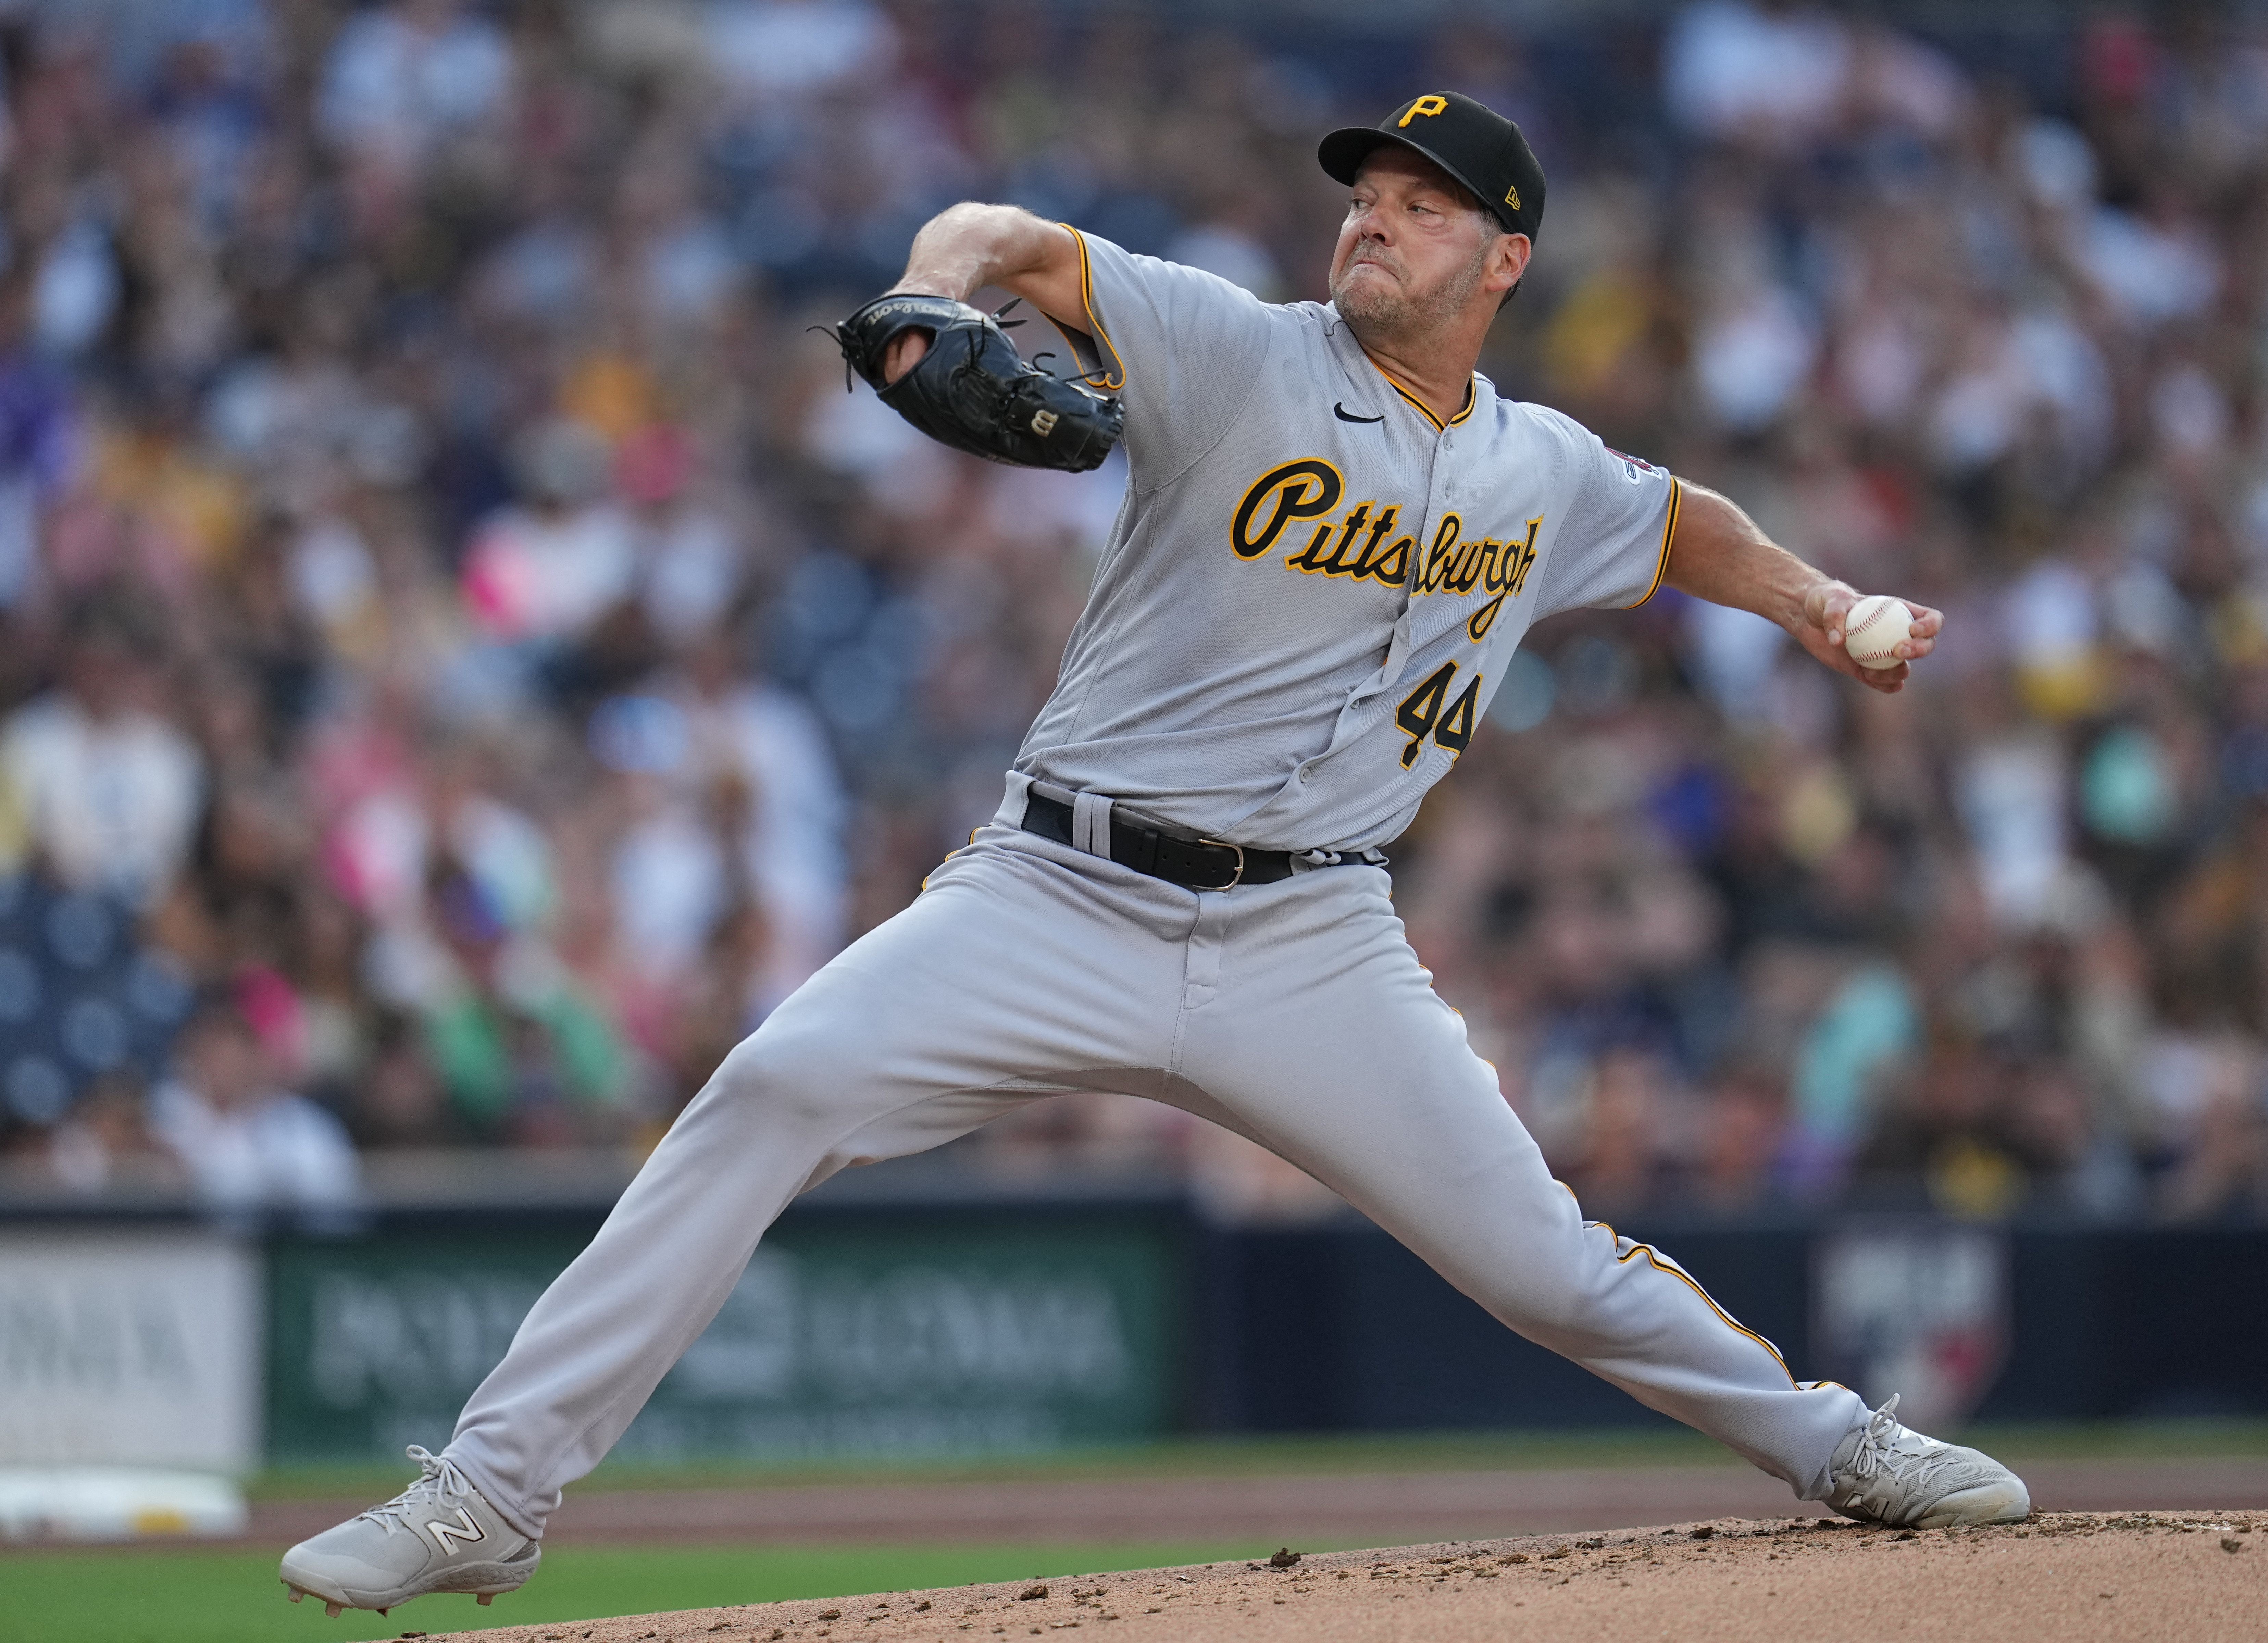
1552 1301
797 1075
1565 1281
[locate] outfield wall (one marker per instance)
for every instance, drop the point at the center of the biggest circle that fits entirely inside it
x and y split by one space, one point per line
1342 1328
874 1329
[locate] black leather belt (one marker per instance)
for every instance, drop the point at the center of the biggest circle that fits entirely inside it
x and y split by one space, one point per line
1195 864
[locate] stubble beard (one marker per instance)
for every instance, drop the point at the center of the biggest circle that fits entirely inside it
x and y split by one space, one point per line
1382 316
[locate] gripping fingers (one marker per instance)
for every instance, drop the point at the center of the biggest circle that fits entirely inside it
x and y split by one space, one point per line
1921 638
904 354
1829 608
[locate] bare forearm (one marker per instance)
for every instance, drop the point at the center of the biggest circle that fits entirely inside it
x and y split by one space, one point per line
1722 555
969 246
1719 554
966 247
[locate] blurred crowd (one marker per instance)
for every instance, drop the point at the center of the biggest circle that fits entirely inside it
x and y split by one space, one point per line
464 657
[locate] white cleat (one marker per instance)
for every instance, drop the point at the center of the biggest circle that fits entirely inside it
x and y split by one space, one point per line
1887 1474
440 1535
334 1609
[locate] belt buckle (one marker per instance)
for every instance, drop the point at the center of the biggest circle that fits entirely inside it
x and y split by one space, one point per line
1234 879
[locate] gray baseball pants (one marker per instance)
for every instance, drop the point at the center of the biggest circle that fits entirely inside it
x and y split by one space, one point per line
1295 1014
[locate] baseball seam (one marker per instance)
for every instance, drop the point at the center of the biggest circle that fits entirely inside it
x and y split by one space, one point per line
1874 619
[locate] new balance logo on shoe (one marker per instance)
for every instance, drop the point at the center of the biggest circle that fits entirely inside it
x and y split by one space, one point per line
464 1529
378 1558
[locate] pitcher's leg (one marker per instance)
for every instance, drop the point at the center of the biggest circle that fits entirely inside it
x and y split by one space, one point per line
1007 970
600 1339
1326 1041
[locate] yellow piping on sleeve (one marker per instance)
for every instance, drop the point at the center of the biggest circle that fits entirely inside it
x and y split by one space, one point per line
1662 563
1112 376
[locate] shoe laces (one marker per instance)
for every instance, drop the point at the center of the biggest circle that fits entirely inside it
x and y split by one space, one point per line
441 1481
1882 1450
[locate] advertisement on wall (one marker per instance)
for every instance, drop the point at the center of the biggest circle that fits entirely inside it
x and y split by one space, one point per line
838 1341
129 1349
1923 1310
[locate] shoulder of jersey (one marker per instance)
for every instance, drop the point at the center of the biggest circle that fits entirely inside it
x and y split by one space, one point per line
1545 421
1516 417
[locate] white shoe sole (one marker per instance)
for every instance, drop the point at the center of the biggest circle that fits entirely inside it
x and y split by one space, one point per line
486 1582
1988 1504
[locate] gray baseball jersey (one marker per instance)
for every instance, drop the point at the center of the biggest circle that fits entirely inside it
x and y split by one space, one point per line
1314 585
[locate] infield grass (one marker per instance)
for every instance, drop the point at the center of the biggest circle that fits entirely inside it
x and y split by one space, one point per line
1266 1455
234 1597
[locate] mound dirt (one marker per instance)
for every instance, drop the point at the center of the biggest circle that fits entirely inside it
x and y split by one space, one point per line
2065 1576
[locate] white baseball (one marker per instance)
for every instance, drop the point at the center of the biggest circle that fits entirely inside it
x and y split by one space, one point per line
1873 629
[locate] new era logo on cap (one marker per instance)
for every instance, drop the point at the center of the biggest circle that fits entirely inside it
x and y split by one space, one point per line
1470 141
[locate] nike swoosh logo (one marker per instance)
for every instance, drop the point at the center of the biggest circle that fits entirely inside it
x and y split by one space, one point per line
1340 411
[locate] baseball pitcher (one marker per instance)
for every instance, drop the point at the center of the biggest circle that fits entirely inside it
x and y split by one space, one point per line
1335 535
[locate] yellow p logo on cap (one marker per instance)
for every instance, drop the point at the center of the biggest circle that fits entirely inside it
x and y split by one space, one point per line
1424 106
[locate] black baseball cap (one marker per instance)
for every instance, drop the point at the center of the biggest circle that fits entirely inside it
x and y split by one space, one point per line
1470 141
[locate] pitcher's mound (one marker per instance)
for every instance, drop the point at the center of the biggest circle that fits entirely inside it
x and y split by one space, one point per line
2064 1577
